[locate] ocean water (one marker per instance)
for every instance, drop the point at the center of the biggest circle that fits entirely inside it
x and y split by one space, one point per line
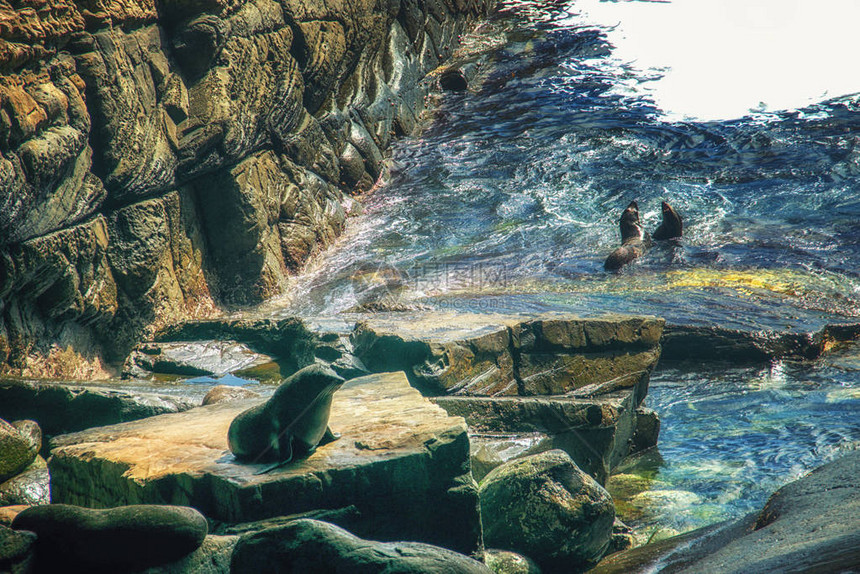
743 115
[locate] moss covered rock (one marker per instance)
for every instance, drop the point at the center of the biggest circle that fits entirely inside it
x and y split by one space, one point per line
17 451
545 507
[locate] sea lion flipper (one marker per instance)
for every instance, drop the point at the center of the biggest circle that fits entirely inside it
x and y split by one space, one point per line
329 436
285 446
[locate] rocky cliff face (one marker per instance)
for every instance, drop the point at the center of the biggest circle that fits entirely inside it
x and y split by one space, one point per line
161 159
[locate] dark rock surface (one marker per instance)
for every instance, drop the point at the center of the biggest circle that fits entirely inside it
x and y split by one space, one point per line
17 451
16 551
163 159
60 408
809 525
313 546
116 539
544 507
712 343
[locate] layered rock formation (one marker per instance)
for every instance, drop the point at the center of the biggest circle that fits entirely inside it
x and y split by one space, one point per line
161 159
402 462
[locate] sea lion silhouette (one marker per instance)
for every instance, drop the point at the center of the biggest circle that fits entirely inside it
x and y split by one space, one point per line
672 226
291 424
634 240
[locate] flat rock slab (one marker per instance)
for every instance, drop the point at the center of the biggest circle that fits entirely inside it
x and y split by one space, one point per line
508 355
402 461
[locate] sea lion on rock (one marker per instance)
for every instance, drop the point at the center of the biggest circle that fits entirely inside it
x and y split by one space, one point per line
634 240
672 226
291 424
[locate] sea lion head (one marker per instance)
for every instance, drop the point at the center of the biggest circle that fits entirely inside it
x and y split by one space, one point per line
629 223
672 225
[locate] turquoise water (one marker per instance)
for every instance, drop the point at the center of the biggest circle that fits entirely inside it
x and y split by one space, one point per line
731 436
509 201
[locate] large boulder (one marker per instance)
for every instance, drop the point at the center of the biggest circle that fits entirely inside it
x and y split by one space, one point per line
809 525
544 507
111 540
401 461
313 546
17 451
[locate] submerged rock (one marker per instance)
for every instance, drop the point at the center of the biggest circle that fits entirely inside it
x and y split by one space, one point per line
809 525
543 506
314 546
401 461
17 451
111 540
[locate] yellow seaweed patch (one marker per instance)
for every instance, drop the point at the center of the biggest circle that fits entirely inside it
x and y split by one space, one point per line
782 282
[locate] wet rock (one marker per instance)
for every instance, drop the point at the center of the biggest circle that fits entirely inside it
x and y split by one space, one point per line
622 538
17 451
290 340
60 408
401 461
190 358
493 450
31 487
507 562
16 551
127 537
493 355
314 546
544 507
809 525
595 433
226 394
647 430
711 343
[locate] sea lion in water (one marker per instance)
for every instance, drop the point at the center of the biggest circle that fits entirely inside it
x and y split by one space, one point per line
634 240
672 226
291 424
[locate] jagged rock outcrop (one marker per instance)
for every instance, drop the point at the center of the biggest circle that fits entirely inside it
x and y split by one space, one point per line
161 159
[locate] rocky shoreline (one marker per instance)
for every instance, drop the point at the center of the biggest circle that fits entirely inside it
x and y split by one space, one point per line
165 160
419 481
